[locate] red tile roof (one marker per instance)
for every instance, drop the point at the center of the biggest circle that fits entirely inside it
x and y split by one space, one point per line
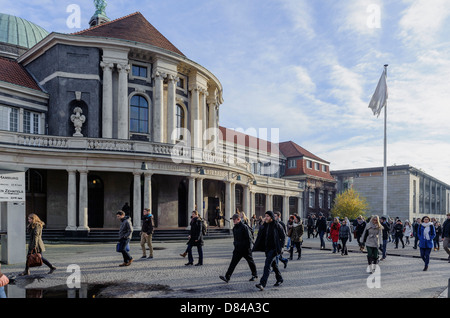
244 140
291 149
133 27
14 73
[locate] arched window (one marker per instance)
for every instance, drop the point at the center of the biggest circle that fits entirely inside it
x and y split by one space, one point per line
180 121
139 115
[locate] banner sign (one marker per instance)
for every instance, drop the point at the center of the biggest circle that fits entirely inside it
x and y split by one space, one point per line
12 186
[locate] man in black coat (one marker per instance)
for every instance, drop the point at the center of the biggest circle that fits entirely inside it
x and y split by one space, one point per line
243 244
321 226
271 238
386 231
446 235
310 225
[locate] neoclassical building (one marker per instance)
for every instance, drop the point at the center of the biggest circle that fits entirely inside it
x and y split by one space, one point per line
117 114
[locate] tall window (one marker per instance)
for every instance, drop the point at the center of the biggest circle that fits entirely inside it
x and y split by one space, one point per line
9 118
139 115
180 121
312 199
30 122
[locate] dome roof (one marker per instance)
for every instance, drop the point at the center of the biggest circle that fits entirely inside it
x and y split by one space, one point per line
20 32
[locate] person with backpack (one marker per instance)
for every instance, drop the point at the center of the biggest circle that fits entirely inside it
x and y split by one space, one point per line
398 232
270 240
147 233
243 244
195 239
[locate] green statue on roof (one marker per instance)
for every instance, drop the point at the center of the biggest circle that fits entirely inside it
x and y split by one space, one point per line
99 16
100 5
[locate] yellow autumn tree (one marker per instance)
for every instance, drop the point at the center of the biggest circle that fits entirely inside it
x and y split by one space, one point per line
349 204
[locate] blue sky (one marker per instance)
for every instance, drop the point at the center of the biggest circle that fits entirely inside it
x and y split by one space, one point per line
310 67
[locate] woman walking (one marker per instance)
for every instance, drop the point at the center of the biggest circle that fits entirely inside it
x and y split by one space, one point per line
371 238
334 233
407 232
36 244
438 228
296 237
195 239
426 234
345 235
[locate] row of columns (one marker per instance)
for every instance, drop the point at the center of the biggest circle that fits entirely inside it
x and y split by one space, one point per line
195 198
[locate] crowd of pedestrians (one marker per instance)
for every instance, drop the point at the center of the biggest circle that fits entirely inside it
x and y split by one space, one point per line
270 235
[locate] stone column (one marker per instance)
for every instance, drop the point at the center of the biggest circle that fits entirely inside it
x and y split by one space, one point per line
71 201
107 105
191 195
204 117
148 192
200 197
252 203
233 199
269 202
285 213
195 112
123 107
137 209
158 107
172 109
246 201
83 202
228 204
300 206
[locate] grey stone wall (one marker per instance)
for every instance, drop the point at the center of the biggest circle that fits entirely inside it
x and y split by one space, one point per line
71 60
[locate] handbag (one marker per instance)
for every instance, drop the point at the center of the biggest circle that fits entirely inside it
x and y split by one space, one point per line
119 247
34 259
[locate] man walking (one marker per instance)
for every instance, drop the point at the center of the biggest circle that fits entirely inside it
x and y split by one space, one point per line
280 257
243 244
416 226
125 233
321 226
270 240
446 235
147 233
310 225
386 231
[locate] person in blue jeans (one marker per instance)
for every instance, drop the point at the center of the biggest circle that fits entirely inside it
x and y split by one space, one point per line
321 226
426 233
270 239
386 231
125 233
280 257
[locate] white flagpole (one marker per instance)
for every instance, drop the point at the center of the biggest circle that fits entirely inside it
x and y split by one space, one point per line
385 157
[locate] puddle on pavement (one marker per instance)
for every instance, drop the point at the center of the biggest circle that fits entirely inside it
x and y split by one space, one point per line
85 291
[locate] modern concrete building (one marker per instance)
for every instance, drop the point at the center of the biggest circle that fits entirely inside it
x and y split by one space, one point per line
412 193
116 113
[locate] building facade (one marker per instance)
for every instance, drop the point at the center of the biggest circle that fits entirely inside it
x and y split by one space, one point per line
411 193
117 114
314 175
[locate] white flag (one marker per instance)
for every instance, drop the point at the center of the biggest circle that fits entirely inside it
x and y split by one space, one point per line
380 97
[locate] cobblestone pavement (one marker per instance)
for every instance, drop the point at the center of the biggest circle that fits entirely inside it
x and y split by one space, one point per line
319 273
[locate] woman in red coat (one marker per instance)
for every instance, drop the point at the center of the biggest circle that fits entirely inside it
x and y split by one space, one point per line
334 233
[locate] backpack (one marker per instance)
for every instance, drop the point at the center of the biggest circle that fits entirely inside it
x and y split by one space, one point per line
204 226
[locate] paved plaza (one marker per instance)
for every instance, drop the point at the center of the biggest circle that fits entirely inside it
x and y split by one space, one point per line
319 273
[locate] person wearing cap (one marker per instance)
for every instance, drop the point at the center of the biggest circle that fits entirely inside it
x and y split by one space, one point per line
270 240
243 244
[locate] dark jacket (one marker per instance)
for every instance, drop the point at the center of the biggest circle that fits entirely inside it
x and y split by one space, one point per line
398 230
126 229
297 233
344 232
270 231
446 229
310 222
243 242
360 227
36 239
196 232
148 225
321 224
386 230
